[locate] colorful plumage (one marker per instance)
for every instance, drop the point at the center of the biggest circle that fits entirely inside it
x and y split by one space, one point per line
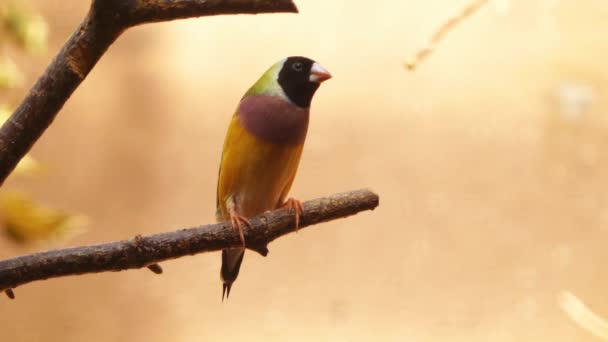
262 150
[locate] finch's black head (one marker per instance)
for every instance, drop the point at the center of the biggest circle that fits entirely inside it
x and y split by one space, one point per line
300 77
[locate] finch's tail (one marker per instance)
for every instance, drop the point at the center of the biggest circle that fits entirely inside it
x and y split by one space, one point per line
231 264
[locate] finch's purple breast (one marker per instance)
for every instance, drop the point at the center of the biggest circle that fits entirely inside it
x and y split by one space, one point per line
274 119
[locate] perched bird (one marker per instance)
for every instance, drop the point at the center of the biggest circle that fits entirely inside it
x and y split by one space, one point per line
262 150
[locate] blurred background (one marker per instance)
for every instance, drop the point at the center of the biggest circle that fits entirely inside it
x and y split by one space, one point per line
487 158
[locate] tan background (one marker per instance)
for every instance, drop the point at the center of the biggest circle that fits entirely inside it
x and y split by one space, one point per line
489 159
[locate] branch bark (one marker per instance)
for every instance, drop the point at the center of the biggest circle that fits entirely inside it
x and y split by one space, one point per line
104 23
147 251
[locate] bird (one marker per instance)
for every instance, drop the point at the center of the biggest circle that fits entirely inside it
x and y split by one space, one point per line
262 151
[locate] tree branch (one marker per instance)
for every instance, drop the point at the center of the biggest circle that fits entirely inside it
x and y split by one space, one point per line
104 23
440 33
147 251
147 11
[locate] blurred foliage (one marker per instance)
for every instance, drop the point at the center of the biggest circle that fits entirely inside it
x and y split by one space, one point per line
22 218
27 29
26 220
10 77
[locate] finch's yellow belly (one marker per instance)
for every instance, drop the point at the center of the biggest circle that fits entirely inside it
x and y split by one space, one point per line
256 175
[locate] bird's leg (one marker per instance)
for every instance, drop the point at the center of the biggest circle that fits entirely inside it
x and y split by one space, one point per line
295 207
237 224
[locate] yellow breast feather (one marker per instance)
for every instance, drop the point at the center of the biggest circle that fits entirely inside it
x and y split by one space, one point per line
255 174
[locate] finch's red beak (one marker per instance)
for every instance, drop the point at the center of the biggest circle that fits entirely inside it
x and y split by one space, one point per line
318 73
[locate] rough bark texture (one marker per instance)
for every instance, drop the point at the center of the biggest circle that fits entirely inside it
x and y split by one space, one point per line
104 23
148 251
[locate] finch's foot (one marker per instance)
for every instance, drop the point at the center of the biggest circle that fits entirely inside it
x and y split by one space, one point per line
295 207
237 224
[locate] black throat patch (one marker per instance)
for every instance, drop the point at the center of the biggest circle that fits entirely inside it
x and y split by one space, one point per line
294 78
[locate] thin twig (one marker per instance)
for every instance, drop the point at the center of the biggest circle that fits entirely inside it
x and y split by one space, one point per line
147 251
583 316
446 27
104 23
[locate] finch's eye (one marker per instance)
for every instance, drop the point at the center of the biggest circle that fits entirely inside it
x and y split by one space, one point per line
297 66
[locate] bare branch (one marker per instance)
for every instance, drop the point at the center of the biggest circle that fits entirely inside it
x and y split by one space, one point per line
147 251
446 27
104 23
147 11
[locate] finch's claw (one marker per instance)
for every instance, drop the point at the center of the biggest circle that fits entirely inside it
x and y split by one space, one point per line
295 207
237 224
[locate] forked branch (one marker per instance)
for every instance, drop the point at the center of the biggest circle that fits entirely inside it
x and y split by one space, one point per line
104 23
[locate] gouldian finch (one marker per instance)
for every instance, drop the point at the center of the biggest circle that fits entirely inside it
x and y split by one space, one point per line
262 150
